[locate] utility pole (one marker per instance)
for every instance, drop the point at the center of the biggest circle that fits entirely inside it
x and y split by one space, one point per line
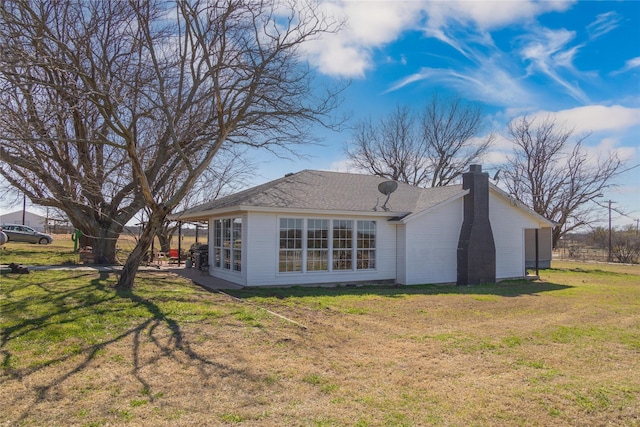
24 207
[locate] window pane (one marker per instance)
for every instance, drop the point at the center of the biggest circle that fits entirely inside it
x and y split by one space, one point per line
342 260
237 260
366 259
237 244
366 254
217 261
227 259
318 234
290 258
217 233
317 260
342 244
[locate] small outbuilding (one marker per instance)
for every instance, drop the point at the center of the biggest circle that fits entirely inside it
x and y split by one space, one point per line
318 227
35 221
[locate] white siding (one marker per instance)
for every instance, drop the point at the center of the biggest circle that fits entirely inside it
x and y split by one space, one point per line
401 254
424 250
263 246
508 224
432 245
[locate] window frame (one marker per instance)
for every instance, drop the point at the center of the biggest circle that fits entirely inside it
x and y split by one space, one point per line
350 242
227 244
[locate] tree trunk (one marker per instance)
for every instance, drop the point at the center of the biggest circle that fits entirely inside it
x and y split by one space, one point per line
104 248
556 235
101 236
165 235
130 268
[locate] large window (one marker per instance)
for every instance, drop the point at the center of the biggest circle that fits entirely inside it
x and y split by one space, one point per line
366 252
290 245
317 245
217 243
227 243
237 244
342 245
330 245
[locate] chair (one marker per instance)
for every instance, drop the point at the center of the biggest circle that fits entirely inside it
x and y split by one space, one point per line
160 256
174 256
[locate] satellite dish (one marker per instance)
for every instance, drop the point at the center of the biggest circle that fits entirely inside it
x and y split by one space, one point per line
387 188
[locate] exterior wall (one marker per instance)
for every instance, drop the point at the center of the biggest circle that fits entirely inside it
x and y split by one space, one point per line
261 254
544 247
421 251
509 224
401 254
432 245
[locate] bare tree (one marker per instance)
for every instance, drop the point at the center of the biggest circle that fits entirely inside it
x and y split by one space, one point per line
626 245
391 148
229 172
449 128
551 171
48 147
161 88
625 242
427 149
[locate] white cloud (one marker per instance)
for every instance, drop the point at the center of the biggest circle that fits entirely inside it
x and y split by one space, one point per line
372 24
490 83
343 60
548 51
489 14
595 118
343 165
633 63
629 65
369 25
604 23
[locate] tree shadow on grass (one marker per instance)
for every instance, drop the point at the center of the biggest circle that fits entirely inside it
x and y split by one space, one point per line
510 288
64 306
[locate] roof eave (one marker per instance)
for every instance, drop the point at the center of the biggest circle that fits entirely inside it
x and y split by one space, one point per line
206 214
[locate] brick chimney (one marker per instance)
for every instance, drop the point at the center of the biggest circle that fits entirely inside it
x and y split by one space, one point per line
476 248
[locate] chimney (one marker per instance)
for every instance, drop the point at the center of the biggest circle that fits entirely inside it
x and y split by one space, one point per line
476 248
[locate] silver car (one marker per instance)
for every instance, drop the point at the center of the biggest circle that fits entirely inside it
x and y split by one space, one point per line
22 233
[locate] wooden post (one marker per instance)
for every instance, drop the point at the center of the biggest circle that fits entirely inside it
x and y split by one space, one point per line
179 242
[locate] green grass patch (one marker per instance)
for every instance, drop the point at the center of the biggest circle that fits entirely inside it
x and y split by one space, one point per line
50 316
57 253
562 351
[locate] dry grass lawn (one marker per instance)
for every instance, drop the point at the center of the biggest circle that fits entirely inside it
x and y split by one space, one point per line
563 351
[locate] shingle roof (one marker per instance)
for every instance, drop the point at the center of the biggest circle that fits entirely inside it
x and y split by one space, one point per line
328 191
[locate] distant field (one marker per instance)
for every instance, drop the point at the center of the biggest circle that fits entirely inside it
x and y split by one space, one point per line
61 250
563 351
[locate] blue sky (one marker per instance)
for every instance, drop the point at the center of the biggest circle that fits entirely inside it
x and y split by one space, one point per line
577 61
